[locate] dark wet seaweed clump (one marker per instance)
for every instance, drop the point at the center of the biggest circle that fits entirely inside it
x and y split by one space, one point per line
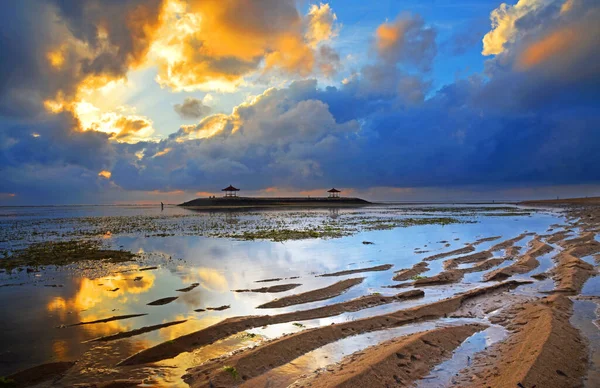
63 253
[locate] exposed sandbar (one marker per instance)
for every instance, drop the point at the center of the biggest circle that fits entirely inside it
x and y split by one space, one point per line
415 270
38 374
110 319
460 251
314 295
253 362
142 330
272 289
234 325
189 288
162 301
570 273
397 362
543 351
486 239
472 258
524 264
383 267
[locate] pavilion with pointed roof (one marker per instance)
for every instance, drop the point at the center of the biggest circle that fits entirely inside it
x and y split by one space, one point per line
334 193
230 191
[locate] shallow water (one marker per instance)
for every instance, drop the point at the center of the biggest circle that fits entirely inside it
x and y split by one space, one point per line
34 314
586 318
442 374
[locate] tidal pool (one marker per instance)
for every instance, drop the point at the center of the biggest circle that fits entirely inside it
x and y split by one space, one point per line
197 247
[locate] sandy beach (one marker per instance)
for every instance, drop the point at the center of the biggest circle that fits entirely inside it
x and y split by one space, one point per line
366 323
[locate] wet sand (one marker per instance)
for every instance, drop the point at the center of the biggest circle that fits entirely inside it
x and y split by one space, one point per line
398 362
542 347
188 288
313 296
460 251
383 267
37 374
135 332
272 289
109 319
162 301
253 362
234 325
416 270
524 264
544 350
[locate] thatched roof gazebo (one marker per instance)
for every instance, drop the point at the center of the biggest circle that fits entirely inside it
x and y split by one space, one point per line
334 193
230 191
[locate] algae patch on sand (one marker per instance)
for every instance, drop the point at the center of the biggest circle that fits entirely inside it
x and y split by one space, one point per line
63 253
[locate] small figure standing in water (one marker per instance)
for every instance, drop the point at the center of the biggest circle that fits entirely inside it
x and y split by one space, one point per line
162 206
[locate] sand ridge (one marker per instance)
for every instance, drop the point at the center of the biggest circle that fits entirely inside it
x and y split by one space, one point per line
313 295
234 325
253 362
543 351
408 273
524 264
397 362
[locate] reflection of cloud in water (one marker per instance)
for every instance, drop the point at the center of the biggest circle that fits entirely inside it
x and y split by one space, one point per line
96 295
192 299
60 349
209 278
94 292
193 324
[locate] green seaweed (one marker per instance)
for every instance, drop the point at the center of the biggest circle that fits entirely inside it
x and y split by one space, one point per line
7 383
63 253
232 371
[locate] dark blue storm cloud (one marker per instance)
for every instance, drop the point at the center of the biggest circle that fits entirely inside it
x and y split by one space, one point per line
383 126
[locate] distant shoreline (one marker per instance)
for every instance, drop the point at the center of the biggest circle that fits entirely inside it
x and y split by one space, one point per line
243 202
565 201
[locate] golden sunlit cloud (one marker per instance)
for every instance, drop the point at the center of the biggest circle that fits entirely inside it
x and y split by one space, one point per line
546 48
387 35
567 6
504 29
56 58
105 174
204 194
173 192
320 25
123 128
211 45
207 127
161 153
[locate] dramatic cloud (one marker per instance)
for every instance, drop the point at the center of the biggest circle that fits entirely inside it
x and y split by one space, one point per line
408 41
192 108
58 47
530 118
212 45
504 20
320 24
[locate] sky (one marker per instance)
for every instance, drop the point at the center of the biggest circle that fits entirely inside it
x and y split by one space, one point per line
142 101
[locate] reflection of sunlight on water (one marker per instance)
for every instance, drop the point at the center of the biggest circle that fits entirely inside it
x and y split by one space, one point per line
441 375
184 361
98 292
193 324
60 348
94 300
220 265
